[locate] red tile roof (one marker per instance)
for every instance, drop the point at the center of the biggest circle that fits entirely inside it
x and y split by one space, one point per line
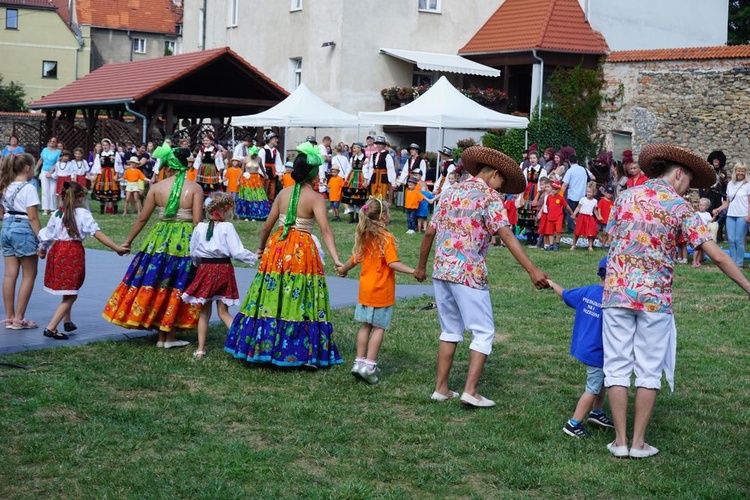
29 3
156 16
131 81
691 53
521 25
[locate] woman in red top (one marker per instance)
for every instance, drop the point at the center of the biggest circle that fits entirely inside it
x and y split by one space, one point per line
635 176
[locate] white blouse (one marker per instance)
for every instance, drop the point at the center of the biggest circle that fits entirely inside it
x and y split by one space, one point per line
96 169
225 242
737 194
56 231
587 206
70 169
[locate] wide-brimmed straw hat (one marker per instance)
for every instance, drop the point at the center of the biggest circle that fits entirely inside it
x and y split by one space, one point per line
703 173
476 156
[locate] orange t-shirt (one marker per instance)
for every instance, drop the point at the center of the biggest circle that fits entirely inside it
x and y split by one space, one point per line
377 281
335 186
232 175
133 175
287 180
191 174
413 197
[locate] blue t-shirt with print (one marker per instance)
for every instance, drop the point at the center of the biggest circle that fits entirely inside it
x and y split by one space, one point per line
423 210
586 344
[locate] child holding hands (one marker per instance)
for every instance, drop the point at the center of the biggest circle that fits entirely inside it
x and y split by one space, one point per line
584 217
587 347
375 248
66 263
213 245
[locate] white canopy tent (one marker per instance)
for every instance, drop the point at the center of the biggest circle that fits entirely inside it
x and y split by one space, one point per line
301 109
443 106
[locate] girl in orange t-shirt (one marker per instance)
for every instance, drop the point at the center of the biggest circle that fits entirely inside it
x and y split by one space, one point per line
375 248
131 176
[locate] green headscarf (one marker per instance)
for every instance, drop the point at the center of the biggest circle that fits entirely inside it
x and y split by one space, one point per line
314 160
253 151
167 156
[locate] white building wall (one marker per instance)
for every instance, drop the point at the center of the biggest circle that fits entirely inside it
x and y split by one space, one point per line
659 24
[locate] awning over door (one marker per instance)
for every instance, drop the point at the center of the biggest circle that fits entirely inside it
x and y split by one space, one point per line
432 61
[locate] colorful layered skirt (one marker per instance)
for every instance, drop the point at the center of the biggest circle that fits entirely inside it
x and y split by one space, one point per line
209 179
214 281
355 191
252 202
285 317
150 294
106 187
66 268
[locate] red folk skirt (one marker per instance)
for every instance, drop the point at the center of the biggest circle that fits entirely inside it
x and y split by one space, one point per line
213 281
66 268
586 226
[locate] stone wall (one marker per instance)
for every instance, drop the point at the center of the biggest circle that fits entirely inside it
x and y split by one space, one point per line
700 105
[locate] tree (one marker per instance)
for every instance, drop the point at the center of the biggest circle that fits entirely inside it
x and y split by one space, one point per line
739 22
12 97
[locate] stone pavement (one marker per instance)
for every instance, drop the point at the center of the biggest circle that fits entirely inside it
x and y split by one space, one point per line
104 270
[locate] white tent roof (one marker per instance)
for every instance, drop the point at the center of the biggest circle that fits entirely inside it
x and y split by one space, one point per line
433 61
301 109
443 106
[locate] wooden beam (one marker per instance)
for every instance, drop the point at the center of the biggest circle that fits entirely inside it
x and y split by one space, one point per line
212 101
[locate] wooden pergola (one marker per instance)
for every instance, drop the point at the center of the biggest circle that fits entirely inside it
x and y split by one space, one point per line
164 93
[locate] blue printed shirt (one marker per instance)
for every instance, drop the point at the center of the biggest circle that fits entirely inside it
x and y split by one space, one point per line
586 343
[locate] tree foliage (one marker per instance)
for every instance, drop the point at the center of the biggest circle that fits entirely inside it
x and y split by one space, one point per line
12 97
739 22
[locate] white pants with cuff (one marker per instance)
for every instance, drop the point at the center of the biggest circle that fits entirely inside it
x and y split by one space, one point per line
639 342
463 308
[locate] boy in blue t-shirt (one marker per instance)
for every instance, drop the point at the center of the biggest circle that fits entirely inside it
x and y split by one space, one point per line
586 347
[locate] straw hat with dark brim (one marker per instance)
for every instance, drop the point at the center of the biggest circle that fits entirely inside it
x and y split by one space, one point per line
474 157
703 173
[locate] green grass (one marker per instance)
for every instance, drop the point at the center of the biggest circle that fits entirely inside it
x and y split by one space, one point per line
123 419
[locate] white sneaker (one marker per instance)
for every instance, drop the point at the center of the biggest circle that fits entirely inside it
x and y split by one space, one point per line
410 231
356 367
436 396
478 402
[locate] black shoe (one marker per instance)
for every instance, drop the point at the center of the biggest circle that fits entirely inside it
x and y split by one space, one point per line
429 306
55 335
578 431
601 420
69 326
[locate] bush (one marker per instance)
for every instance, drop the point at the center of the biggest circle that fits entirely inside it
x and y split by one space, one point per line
12 97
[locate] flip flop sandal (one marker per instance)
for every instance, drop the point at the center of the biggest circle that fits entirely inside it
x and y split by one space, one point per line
12 324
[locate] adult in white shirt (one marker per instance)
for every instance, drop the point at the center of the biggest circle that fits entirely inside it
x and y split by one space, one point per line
340 161
445 167
273 167
415 161
574 186
380 171
738 213
241 149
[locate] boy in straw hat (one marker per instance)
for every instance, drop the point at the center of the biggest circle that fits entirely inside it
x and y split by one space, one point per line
638 329
468 215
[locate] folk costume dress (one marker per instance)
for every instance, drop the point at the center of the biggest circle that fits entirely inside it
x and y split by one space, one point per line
355 191
527 213
447 167
150 294
107 166
285 317
213 245
270 160
252 202
65 270
208 164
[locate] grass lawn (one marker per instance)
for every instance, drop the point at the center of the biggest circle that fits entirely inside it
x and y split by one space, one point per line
123 419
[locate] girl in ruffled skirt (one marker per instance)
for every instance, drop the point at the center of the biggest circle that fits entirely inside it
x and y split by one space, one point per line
212 247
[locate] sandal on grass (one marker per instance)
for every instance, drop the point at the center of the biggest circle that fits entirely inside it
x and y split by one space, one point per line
55 334
199 354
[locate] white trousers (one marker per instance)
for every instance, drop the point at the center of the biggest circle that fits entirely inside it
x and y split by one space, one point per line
638 342
49 197
462 308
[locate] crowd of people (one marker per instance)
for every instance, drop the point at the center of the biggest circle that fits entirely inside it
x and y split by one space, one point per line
623 326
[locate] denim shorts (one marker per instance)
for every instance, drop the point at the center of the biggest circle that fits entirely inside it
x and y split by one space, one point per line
379 317
594 379
18 238
335 204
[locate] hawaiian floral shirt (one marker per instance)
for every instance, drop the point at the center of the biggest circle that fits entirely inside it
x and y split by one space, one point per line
466 218
645 223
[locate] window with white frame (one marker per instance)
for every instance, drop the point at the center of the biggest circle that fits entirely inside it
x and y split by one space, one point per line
296 5
429 6
11 19
295 72
139 45
234 13
49 69
169 47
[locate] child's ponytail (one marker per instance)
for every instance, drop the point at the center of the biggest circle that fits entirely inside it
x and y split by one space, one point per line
13 164
71 193
370 226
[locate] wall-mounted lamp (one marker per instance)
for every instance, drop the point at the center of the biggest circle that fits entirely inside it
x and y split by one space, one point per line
328 44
